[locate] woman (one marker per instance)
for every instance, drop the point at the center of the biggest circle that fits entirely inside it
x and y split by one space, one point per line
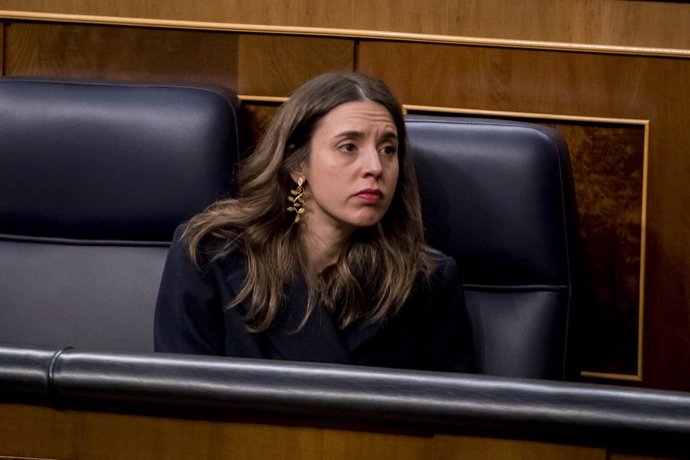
321 257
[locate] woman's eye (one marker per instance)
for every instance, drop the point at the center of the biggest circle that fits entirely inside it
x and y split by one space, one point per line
390 150
349 147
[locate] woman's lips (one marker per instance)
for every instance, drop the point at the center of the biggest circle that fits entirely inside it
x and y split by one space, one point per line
370 194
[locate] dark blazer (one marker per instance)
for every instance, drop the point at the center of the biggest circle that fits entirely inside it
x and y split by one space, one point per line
431 330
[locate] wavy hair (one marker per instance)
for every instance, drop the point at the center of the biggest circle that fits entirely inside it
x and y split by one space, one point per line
378 267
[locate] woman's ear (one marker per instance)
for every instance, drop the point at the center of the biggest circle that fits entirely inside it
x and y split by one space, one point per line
299 171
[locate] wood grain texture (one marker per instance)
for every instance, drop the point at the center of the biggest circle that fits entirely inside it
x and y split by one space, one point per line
276 66
120 53
619 456
477 448
2 48
610 22
33 431
608 172
252 64
583 84
346 445
41 432
516 80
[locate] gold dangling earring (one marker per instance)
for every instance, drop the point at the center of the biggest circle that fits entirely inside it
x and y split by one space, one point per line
296 197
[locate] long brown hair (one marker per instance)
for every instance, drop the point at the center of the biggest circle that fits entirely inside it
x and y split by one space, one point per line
377 269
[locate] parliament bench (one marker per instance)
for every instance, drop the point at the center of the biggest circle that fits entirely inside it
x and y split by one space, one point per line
94 177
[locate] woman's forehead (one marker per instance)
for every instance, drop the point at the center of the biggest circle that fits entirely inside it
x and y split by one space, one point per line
358 116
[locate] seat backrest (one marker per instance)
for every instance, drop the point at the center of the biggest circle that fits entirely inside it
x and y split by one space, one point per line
94 177
498 197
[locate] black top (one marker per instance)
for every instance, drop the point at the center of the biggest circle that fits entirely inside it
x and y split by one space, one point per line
431 330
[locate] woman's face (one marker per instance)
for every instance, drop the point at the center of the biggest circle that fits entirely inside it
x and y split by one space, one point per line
352 169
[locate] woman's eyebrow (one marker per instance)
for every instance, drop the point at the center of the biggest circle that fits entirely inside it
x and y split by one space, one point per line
351 134
354 134
390 136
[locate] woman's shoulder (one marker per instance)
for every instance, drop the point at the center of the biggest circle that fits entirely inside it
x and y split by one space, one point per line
445 267
437 256
442 262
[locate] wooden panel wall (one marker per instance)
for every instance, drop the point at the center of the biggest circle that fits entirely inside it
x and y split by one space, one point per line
277 65
2 48
607 22
510 76
38 432
252 64
82 51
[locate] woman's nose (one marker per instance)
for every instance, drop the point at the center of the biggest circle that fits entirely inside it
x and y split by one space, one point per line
371 161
